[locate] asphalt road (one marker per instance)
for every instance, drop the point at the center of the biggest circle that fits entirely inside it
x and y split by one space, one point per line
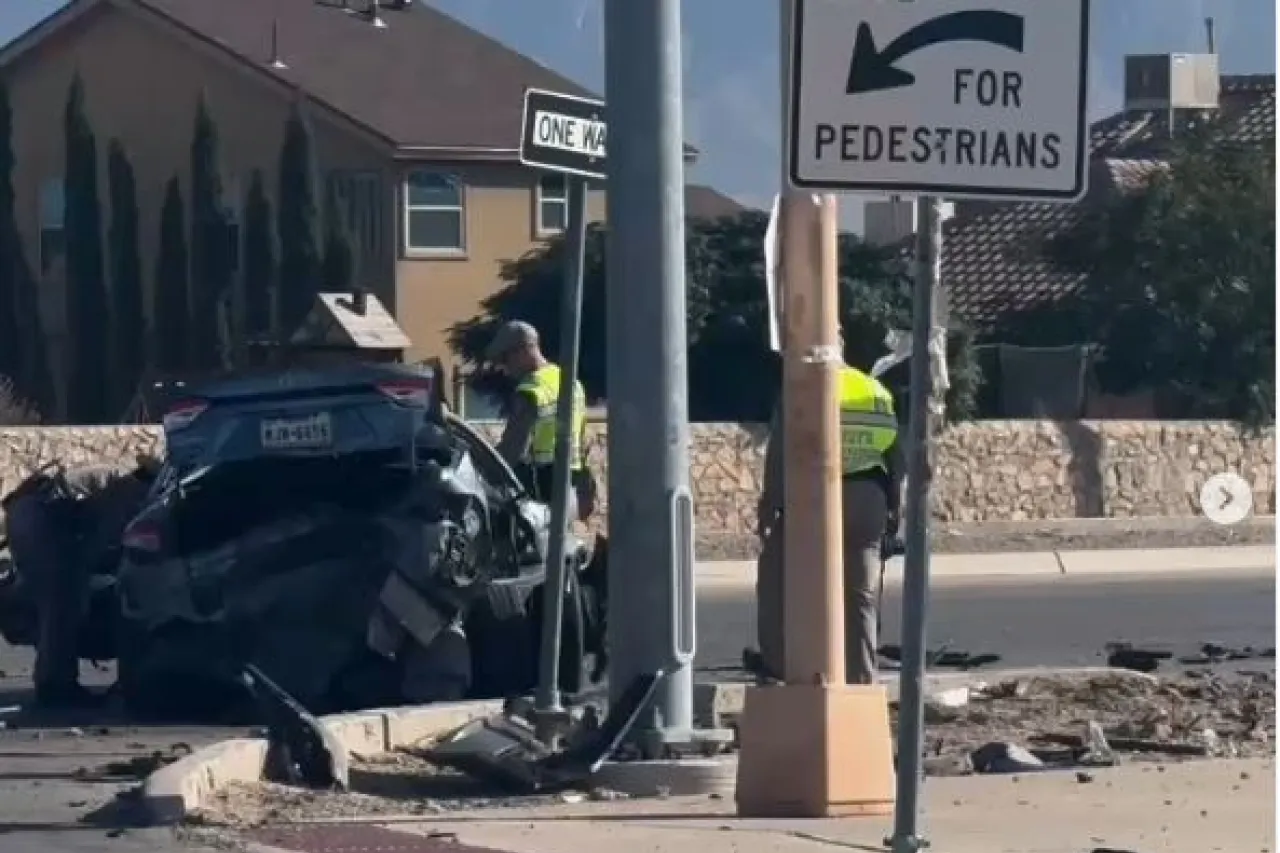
60 774
1046 620
47 805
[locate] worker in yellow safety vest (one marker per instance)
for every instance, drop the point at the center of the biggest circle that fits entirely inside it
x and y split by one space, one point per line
872 468
528 440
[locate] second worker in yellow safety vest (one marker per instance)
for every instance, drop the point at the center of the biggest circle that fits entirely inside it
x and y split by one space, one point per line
528 440
872 469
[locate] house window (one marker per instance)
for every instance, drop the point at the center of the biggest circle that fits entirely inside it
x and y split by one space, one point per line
355 197
53 215
553 205
434 214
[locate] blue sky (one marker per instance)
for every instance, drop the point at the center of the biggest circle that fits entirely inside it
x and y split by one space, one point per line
731 56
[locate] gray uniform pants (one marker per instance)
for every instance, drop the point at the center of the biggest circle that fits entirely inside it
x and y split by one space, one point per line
47 557
865 512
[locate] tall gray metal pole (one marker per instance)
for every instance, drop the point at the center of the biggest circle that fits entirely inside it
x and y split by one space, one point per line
548 696
650 509
916 510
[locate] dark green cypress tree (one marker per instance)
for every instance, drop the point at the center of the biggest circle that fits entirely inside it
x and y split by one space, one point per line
23 349
211 258
259 260
10 340
337 271
88 389
297 223
171 313
129 338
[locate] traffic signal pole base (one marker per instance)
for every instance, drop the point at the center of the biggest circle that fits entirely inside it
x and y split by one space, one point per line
815 751
675 743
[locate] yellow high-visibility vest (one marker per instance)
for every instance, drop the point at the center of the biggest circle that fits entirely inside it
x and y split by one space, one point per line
867 424
543 385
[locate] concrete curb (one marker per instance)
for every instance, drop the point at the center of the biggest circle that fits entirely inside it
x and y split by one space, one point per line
738 573
172 793
689 777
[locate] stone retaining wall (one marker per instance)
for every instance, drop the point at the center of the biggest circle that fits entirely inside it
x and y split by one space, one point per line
989 470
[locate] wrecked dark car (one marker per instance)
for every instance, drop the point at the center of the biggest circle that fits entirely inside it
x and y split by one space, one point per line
343 532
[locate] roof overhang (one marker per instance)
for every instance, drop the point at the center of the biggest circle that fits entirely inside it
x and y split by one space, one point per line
38 35
46 27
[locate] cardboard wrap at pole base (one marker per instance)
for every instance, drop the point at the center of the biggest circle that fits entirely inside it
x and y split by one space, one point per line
814 751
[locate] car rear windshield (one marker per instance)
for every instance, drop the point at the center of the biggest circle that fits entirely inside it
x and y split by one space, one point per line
231 498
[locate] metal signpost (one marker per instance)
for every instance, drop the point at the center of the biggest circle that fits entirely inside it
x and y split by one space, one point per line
960 98
650 507
563 134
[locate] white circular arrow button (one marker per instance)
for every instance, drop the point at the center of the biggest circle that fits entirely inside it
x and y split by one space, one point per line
1226 499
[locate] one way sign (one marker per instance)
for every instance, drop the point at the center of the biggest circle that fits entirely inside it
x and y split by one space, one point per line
958 98
563 133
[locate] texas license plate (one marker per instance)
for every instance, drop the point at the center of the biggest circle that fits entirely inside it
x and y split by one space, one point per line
309 433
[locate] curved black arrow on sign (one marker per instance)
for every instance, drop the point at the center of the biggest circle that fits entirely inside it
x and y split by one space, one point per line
872 70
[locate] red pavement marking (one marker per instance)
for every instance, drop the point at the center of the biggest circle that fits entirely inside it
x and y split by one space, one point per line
355 838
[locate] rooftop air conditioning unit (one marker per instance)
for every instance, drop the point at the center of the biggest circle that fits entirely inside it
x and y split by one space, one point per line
1171 81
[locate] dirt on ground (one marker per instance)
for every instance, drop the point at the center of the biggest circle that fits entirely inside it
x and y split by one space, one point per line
1044 720
1196 715
989 537
397 783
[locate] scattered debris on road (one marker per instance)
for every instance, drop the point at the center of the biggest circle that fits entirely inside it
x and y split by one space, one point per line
943 657
1216 653
1035 724
1101 720
1126 656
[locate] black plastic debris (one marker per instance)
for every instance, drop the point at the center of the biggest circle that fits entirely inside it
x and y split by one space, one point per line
943 657
1216 653
300 751
1127 656
505 752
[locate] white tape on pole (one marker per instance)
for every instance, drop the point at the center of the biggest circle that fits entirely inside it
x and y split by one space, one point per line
771 271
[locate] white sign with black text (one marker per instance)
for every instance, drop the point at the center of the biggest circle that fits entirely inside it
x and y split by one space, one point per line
956 98
563 133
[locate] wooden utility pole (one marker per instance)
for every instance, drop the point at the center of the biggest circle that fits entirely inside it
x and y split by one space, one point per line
813 598
814 746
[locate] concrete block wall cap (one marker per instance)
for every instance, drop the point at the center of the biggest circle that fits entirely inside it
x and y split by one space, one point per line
172 793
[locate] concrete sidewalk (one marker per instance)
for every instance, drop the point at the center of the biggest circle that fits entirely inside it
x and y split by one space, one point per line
1197 807
1248 558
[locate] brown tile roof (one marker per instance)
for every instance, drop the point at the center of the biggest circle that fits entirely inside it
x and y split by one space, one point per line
425 80
703 202
987 267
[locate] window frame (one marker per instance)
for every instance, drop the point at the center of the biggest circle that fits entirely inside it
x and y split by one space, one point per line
47 260
541 199
407 208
